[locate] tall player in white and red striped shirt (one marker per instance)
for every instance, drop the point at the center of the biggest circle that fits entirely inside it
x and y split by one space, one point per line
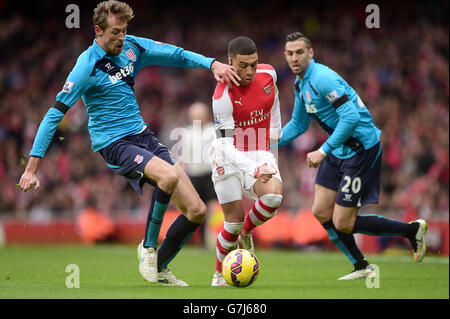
247 120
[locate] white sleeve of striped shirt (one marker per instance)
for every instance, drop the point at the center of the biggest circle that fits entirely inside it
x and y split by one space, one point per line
275 117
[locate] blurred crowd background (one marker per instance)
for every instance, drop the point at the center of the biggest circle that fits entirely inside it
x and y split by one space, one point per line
401 72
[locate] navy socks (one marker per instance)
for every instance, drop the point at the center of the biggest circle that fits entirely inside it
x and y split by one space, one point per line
177 235
374 225
377 225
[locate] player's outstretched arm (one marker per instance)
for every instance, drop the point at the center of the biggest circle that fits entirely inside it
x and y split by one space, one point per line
158 53
42 140
29 178
73 89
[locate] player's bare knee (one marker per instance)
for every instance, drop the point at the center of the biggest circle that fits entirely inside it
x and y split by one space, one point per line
196 213
168 182
319 216
276 188
321 213
344 229
316 212
344 226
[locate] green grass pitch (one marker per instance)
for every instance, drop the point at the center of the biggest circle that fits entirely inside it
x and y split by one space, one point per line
111 271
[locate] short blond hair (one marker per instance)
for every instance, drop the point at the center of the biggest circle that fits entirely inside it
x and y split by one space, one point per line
120 9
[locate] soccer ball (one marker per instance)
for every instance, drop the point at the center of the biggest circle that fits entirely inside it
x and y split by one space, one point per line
240 268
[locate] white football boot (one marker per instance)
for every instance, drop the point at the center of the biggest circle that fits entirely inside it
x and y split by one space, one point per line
167 278
218 280
419 241
359 274
148 263
246 242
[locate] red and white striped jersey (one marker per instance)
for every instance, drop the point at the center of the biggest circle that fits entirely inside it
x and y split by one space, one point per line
252 111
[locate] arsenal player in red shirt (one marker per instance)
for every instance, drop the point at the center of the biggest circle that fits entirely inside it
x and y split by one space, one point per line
247 121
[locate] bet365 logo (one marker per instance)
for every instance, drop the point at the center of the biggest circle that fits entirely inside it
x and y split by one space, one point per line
124 72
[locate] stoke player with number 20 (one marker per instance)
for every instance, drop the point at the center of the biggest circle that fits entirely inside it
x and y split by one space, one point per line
349 161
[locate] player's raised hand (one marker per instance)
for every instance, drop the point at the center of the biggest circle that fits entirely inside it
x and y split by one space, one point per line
224 72
264 172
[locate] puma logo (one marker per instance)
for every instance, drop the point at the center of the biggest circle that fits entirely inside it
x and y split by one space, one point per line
238 102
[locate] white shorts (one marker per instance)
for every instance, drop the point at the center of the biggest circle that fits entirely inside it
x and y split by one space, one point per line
233 183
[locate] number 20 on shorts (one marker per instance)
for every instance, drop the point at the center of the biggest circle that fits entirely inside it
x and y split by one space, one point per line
355 184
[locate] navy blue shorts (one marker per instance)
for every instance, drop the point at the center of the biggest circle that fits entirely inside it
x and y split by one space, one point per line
356 179
129 155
